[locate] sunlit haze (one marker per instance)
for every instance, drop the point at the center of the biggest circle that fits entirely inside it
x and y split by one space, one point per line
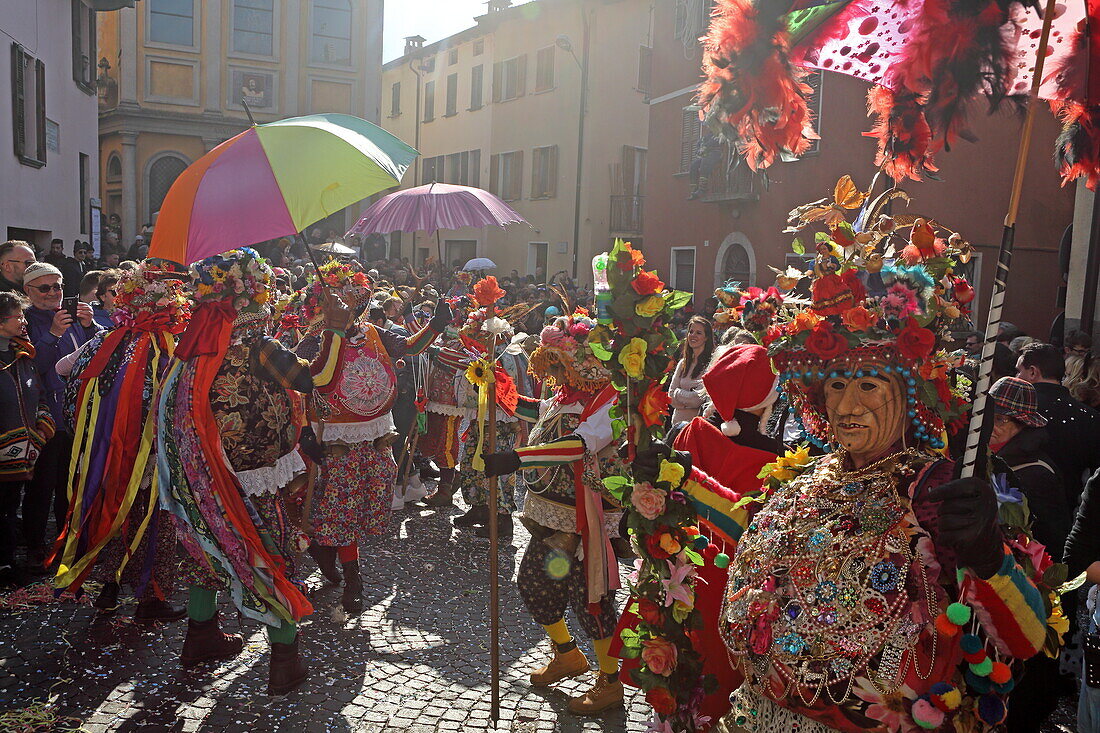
433 19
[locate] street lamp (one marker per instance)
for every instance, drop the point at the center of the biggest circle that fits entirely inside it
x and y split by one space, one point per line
563 42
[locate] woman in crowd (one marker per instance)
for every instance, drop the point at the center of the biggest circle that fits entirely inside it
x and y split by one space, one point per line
1083 555
685 389
25 422
105 293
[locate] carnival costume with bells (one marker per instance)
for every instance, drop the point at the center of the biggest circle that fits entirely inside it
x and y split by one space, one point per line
114 520
228 445
869 591
351 416
568 511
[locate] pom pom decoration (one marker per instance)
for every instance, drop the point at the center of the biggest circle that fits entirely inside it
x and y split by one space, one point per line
992 710
970 644
710 552
721 561
976 684
926 715
1000 673
958 613
982 668
701 542
945 627
945 696
1006 687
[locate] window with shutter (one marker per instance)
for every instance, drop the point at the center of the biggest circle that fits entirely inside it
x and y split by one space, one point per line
395 99
429 101
494 175
452 95
83 19
544 172
28 96
645 69
516 189
498 81
690 132
521 75
476 77
544 69
475 168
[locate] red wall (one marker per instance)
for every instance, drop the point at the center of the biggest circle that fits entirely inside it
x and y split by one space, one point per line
971 197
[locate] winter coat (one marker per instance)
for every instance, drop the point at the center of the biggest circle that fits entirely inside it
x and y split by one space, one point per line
1038 478
25 421
686 394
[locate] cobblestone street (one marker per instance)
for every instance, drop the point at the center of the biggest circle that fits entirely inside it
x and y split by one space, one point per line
416 658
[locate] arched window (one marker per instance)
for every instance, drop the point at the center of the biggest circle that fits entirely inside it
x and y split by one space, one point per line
330 38
114 169
162 174
736 265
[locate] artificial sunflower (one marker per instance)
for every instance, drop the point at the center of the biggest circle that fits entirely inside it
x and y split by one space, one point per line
478 373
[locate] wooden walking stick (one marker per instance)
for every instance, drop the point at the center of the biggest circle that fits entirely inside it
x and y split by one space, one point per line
412 440
494 581
981 418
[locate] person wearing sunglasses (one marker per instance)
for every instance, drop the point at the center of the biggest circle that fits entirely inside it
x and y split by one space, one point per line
54 334
15 257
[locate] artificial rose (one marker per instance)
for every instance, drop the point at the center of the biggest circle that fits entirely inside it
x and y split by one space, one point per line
669 544
915 343
964 293
654 405
661 700
630 258
647 283
824 343
653 546
649 501
650 612
672 472
650 307
632 358
773 333
580 330
803 321
659 655
858 318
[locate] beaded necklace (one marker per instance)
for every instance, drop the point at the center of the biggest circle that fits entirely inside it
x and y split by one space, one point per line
824 581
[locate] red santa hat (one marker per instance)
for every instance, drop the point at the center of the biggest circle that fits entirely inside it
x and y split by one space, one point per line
741 378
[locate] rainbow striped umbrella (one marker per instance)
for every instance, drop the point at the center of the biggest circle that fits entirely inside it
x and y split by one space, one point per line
275 180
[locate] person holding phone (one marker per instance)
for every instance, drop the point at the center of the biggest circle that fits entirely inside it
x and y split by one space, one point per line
56 329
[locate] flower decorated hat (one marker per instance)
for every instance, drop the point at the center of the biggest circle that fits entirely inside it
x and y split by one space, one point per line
882 299
147 295
564 344
240 276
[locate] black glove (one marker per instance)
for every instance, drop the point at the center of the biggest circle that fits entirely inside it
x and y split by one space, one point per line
968 524
441 317
307 441
499 464
647 462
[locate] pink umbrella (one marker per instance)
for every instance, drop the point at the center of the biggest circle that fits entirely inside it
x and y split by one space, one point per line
433 207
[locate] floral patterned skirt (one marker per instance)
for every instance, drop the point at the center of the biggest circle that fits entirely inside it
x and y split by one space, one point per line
351 500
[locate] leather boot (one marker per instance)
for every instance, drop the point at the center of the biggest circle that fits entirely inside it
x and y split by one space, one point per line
572 663
154 609
205 642
352 600
107 600
504 527
287 669
605 693
445 490
326 561
476 516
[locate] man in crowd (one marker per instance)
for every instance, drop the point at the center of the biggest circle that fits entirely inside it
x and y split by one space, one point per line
1074 428
15 256
54 334
75 268
56 256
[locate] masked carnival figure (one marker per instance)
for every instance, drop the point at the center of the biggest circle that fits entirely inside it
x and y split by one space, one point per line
570 515
351 416
228 446
114 522
870 589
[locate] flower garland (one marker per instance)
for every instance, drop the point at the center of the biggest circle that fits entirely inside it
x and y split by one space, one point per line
242 273
636 345
140 292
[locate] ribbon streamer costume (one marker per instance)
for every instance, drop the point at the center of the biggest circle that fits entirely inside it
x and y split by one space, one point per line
114 520
228 441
